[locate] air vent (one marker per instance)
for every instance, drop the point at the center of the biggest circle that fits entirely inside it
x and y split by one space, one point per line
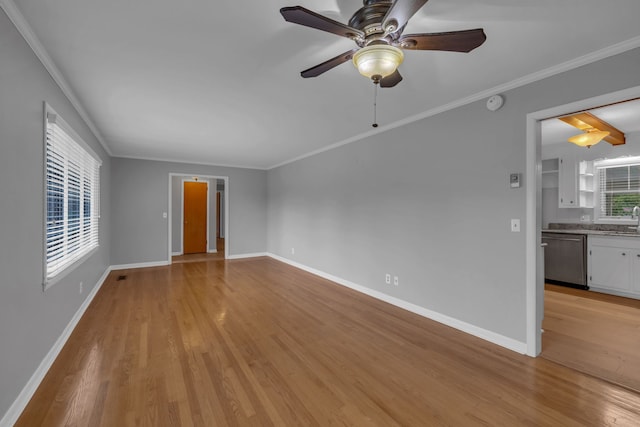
121 277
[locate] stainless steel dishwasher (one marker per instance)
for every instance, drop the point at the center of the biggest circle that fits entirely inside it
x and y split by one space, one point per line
565 259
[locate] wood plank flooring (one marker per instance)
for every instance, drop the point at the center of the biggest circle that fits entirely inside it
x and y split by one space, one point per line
595 333
259 343
218 255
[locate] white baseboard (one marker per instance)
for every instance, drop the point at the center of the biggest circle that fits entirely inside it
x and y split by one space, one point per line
614 292
212 251
140 265
501 340
176 253
251 255
30 388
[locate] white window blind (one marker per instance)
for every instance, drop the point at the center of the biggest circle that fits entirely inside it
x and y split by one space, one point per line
72 193
619 189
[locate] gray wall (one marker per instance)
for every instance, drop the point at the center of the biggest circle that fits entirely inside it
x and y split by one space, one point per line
140 196
430 202
32 320
176 212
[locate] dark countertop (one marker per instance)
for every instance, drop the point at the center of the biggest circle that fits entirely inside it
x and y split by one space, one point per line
629 233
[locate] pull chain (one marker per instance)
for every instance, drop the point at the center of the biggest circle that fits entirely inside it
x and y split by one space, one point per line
375 98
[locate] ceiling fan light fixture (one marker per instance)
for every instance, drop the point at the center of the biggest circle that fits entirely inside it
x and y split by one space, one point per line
378 61
590 137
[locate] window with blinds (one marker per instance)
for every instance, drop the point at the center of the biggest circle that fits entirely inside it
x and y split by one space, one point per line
72 195
619 189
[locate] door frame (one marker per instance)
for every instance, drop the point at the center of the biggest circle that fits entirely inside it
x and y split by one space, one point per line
194 179
227 235
534 266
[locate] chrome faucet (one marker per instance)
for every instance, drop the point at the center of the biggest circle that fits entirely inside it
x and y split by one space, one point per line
635 213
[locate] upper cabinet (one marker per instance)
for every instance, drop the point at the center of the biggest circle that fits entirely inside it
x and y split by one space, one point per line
567 183
576 183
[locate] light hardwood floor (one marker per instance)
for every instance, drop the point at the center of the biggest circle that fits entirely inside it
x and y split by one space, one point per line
594 333
256 342
218 255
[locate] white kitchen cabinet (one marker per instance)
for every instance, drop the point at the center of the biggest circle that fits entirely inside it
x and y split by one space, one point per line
635 275
614 265
576 183
567 183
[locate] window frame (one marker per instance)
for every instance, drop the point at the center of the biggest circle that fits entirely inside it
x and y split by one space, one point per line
86 245
599 165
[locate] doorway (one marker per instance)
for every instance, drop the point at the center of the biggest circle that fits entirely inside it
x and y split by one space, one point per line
216 236
534 251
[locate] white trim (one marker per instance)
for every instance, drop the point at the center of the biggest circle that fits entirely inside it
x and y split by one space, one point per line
12 415
522 81
212 251
188 161
618 161
533 169
249 255
176 253
32 40
501 340
140 265
615 292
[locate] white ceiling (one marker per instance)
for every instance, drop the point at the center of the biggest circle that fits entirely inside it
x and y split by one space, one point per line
218 81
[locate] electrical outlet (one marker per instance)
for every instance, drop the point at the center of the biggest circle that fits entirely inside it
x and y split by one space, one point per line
81 288
387 279
396 281
293 251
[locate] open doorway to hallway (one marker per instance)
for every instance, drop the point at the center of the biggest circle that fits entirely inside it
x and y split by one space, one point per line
198 217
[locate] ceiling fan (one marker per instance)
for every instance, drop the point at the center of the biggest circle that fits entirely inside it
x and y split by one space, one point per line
377 28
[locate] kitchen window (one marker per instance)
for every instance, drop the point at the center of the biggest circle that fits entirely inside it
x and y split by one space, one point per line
618 189
72 194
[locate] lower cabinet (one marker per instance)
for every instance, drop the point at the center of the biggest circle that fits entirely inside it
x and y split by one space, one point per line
614 265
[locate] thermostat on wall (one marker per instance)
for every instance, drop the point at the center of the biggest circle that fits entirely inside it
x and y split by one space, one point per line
495 102
514 180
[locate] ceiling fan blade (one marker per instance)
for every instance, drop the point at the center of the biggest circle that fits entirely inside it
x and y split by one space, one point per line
454 41
391 80
399 13
300 15
327 65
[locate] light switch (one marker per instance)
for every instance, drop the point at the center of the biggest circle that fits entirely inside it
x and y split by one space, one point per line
515 225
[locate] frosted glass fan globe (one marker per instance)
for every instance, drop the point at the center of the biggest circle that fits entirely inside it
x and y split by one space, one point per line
378 60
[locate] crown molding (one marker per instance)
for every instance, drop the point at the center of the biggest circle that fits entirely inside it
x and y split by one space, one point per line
522 81
187 161
34 43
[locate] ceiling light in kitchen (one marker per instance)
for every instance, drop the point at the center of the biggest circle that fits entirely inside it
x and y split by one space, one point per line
590 137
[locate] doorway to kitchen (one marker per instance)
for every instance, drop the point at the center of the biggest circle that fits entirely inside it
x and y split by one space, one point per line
577 323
